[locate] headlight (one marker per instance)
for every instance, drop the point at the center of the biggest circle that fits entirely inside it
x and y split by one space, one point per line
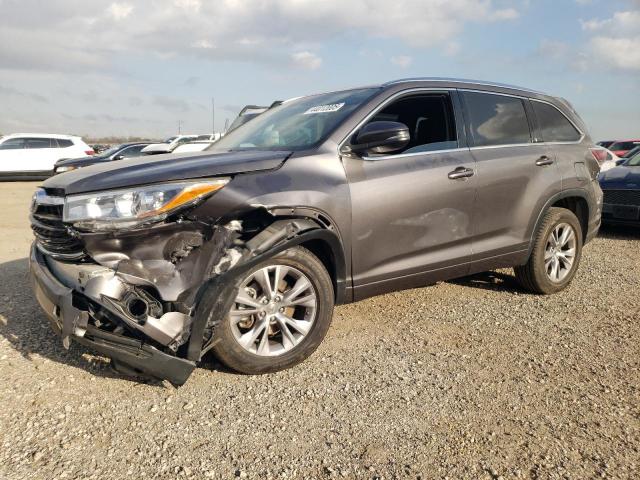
65 169
116 209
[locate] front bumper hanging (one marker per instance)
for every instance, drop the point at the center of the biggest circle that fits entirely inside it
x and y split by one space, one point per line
70 322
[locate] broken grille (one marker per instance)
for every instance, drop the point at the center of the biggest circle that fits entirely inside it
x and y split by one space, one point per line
51 233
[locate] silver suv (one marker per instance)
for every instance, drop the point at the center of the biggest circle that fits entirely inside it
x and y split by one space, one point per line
245 248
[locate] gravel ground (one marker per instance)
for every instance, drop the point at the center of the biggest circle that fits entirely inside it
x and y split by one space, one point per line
465 379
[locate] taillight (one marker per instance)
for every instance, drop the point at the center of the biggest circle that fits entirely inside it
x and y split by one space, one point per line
599 154
89 152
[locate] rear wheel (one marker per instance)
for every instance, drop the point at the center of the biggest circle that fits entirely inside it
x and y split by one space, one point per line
280 315
556 253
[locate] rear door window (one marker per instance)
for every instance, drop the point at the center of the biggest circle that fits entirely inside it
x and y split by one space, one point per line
496 119
553 125
38 143
13 144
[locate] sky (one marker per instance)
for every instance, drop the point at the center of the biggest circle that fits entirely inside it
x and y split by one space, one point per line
142 67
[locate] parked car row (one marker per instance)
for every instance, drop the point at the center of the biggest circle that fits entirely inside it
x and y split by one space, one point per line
620 183
31 156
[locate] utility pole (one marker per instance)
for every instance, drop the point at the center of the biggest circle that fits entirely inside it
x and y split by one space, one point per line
213 115
179 127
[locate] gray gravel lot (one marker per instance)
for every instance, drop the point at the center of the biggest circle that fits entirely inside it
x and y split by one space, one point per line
465 379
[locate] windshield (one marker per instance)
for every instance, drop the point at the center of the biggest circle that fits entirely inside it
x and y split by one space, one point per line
241 120
623 146
170 139
633 161
631 153
295 125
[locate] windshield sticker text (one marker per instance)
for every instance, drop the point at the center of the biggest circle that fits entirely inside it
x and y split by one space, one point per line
334 107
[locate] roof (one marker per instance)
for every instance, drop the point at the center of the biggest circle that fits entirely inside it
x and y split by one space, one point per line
460 81
43 135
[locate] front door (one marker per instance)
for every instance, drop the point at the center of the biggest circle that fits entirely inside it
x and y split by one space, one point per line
412 211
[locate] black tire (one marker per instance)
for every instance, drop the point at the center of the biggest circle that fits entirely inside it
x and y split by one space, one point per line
533 275
234 356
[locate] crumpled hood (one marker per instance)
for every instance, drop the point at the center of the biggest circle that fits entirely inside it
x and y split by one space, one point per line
163 168
621 177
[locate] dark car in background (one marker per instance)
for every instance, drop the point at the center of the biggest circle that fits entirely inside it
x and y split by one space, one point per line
631 153
244 249
119 152
621 192
605 143
622 147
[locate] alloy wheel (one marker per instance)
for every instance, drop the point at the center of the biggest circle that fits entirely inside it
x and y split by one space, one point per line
274 310
560 252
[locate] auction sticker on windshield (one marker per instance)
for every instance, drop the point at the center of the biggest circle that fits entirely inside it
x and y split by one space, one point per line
334 107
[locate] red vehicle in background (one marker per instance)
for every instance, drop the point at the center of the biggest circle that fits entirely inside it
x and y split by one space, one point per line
620 147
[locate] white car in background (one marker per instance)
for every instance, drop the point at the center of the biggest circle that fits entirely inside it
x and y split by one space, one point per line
31 156
197 146
168 144
210 137
605 157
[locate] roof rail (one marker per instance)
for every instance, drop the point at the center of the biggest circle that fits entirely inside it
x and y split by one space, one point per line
459 80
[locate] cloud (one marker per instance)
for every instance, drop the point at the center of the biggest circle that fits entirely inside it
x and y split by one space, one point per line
553 49
505 14
307 60
171 104
192 81
615 41
267 31
120 11
622 53
402 61
189 4
9 91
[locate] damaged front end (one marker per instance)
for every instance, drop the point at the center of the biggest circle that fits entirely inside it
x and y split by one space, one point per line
149 296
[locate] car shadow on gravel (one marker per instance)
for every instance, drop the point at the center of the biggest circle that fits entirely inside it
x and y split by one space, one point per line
612 232
495 281
27 330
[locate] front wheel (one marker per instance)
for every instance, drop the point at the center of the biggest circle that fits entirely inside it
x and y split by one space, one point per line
556 253
280 315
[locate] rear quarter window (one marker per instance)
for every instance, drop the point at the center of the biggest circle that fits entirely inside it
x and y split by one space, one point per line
496 119
553 125
64 143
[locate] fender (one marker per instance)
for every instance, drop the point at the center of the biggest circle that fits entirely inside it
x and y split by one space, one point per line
574 192
215 296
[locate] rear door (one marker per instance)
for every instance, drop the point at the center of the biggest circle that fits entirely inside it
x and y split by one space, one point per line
13 155
516 174
41 153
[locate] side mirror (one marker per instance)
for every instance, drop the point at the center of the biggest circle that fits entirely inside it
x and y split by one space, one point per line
381 137
119 157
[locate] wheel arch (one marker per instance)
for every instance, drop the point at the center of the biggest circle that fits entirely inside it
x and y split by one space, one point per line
575 200
280 235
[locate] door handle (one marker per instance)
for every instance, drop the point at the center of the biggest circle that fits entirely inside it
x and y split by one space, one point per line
544 161
461 172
